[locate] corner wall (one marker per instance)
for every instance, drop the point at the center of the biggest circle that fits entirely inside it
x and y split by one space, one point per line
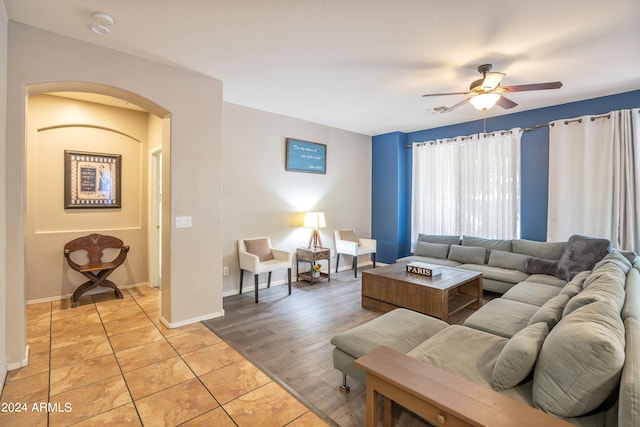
3 199
262 199
534 154
192 289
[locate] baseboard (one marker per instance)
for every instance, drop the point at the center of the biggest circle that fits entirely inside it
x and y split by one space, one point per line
192 320
95 291
250 287
3 377
360 265
21 364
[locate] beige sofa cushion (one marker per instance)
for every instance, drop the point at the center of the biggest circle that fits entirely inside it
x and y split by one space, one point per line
467 254
518 357
434 250
629 405
508 260
490 245
580 362
532 293
502 317
605 289
551 312
466 352
631 306
439 238
545 250
399 329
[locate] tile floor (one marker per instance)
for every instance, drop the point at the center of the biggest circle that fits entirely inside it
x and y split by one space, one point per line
111 362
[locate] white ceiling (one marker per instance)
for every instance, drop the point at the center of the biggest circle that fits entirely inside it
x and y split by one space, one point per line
362 65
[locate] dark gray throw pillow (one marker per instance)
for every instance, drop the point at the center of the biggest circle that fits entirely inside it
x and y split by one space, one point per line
541 266
581 253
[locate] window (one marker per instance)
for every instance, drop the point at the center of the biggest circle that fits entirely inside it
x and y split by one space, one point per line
468 185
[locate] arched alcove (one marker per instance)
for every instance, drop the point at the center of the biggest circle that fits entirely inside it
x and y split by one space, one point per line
189 107
93 122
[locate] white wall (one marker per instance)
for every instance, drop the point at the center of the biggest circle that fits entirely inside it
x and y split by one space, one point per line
261 198
57 124
3 204
192 285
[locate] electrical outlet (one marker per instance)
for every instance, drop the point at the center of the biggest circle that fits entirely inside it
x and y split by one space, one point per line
225 271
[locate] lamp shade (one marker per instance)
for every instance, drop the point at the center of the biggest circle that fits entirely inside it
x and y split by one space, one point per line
314 220
484 101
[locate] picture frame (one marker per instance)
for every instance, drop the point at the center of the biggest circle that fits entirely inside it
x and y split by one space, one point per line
92 180
305 156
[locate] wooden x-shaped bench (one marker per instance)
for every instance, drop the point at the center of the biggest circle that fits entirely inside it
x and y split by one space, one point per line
95 270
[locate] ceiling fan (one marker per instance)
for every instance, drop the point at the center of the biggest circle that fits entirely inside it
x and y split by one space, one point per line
486 92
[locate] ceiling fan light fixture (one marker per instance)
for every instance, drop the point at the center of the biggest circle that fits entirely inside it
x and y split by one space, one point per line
484 101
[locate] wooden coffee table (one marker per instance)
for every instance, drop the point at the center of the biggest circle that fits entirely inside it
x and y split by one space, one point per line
390 287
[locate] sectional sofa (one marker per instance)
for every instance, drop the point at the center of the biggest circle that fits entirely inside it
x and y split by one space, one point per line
504 263
570 348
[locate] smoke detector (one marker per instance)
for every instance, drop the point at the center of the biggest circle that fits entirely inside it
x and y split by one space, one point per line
101 23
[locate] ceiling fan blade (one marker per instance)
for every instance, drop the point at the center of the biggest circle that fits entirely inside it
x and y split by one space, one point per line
453 107
492 80
442 94
506 103
534 86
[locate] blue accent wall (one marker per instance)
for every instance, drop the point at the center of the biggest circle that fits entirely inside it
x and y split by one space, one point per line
388 213
391 169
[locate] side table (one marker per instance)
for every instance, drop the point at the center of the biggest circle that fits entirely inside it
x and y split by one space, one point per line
312 255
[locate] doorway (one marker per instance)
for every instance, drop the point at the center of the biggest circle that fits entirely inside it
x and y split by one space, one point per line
155 251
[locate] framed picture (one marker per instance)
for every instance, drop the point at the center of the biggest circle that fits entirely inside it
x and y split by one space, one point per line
305 156
91 180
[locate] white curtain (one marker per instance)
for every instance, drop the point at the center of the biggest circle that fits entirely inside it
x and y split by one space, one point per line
467 185
594 178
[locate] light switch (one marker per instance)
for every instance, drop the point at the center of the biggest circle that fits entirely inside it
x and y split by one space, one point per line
183 222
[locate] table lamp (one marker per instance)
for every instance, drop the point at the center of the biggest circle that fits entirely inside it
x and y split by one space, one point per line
314 220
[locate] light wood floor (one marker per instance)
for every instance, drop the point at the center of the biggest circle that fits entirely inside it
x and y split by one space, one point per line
289 337
111 362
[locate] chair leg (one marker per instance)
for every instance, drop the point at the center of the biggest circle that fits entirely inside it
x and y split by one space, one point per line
289 279
355 266
373 256
256 280
269 280
337 261
241 278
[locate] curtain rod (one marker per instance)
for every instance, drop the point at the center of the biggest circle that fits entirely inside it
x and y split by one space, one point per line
541 125
603 116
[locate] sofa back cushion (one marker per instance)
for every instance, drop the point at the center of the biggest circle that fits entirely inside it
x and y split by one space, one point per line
629 404
488 244
580 362
467 254
551 311
608 286
518 357
631 306
545 250
617 258
439 238
508 260
432 250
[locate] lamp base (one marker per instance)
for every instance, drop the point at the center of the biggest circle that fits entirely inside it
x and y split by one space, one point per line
314 240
